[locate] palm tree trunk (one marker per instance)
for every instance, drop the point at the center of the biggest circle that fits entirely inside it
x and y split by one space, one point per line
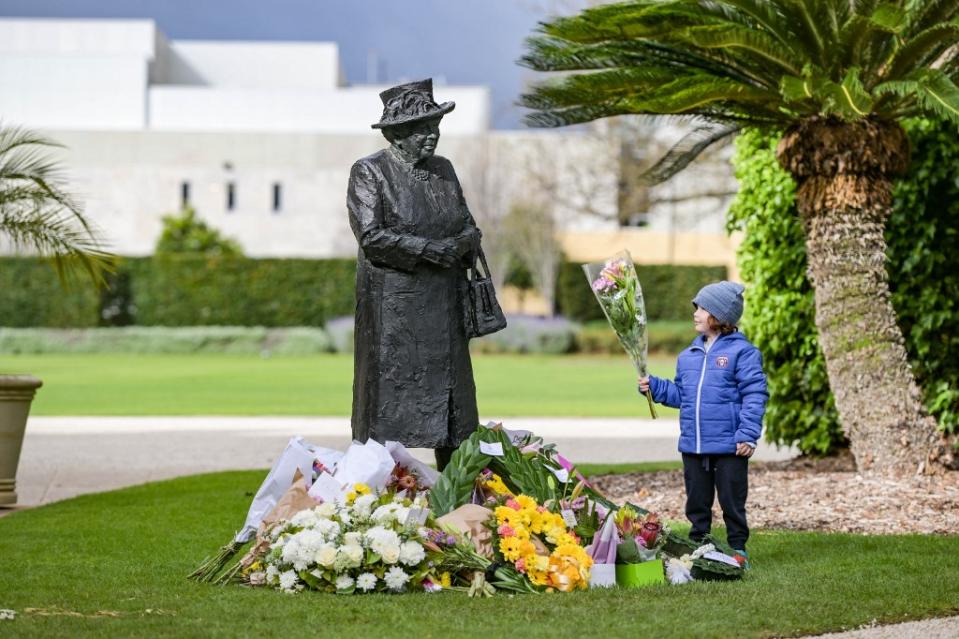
844 172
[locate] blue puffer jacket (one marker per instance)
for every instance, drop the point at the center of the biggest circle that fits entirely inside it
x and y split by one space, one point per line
721 396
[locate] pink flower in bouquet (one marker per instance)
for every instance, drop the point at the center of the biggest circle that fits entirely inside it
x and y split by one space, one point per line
650 532
521 564
512 503
505 531
613 270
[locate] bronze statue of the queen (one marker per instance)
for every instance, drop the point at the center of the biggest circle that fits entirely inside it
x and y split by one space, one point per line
413 378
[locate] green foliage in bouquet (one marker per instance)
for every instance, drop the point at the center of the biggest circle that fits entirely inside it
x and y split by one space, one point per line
923 268
523 473
455 484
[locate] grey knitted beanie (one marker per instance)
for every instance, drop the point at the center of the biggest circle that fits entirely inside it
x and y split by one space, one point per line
723 300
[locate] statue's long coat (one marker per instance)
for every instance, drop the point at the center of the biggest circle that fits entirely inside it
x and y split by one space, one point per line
412 378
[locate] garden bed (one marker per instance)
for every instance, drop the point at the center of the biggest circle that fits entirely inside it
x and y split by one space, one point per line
807 494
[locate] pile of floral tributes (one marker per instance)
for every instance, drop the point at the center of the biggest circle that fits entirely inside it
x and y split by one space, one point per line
508 513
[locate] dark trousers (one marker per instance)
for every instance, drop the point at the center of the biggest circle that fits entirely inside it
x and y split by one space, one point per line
707 475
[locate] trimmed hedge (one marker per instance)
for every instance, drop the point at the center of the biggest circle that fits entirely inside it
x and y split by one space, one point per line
200 290
191 290
668 290
31 295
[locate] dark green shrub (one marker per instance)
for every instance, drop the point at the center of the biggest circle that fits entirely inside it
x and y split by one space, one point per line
184 232
780 310
193 290
32 295
182 290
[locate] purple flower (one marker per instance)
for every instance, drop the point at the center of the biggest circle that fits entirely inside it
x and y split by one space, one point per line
603 284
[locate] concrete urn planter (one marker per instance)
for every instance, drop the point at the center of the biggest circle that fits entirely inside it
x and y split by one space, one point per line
16 393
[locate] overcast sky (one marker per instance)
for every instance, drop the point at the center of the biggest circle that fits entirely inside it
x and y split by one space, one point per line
459 41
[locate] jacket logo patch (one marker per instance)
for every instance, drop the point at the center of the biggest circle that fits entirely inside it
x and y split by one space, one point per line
722 361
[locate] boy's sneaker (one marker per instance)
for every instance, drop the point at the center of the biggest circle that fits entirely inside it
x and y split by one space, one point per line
742 557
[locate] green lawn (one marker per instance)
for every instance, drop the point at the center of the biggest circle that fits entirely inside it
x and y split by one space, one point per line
507 385
119 559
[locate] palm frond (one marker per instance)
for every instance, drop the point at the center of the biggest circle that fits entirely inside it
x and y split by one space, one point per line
925 14
546 53
935 93
629 20
853 97
691 93
923 48
601 86
790 23
753 42
38 215
579 114
53 233
890 17
686 150
809 23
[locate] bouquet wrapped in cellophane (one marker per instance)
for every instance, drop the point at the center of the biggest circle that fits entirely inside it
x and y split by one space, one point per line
616 286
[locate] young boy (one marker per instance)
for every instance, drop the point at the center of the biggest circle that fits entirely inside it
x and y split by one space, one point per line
720 390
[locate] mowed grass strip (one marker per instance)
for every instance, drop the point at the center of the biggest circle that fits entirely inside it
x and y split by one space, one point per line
120 559
221 384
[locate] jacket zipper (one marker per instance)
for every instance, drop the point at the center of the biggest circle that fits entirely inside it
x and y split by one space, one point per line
699 394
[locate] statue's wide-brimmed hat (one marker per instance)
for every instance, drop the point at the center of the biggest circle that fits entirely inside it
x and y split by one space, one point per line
411 102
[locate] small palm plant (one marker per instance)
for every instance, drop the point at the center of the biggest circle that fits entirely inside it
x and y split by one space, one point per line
835 78
38 216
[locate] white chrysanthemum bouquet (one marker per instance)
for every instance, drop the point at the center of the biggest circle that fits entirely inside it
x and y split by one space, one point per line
368 543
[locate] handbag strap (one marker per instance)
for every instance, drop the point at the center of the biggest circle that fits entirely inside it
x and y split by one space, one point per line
482 259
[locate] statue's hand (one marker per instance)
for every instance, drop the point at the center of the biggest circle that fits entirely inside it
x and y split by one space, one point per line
442 253
467 242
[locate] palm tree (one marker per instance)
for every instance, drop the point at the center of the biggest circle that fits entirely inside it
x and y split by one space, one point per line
38 216
835 77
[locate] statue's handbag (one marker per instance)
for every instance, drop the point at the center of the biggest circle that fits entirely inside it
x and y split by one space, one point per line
483 312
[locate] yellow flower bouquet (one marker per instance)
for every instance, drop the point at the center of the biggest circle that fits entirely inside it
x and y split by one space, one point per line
539 545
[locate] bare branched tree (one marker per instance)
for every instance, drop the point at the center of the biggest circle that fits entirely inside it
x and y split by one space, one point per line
533 235
487 192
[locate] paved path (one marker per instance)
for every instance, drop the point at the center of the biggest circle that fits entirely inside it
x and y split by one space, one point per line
944 628
67 456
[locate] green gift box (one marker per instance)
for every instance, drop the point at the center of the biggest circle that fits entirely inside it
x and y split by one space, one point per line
639 575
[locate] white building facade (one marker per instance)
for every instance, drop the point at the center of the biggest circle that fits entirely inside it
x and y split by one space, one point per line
259 138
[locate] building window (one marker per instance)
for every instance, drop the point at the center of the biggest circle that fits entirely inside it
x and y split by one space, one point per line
230 196
277 197
184 194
